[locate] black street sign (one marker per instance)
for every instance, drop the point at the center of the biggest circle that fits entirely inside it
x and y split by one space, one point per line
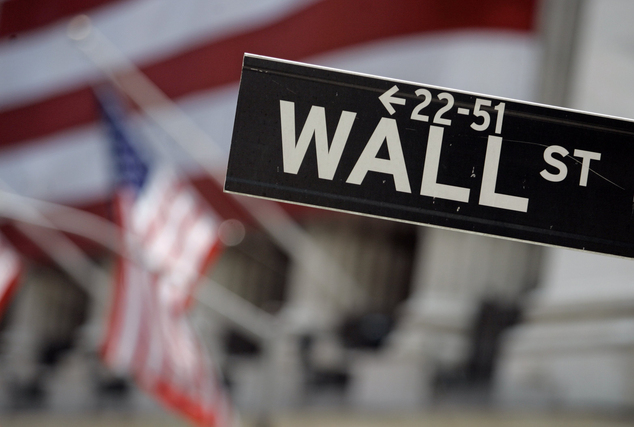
430 155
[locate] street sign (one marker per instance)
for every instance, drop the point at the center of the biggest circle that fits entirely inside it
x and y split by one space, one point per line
429 155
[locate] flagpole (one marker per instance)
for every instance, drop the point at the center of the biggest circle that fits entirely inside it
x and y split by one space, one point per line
59 217
296 242
63 251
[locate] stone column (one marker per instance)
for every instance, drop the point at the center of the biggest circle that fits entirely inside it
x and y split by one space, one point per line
456 272
577 347
323 286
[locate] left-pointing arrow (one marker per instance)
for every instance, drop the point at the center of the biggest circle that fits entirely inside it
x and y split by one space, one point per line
387 99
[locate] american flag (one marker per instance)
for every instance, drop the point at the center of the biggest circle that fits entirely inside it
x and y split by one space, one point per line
50 141
10 268
170 237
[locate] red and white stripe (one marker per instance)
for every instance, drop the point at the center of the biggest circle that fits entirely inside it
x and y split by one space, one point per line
178 234
171 238
192 49
10 268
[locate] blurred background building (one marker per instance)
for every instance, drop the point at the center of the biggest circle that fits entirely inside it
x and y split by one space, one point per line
396 316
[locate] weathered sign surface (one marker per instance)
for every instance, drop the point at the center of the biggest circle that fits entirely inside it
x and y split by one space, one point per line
435 156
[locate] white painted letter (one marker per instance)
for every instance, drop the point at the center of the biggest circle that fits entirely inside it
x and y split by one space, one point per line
488 196
587 156
548 157
327 158
387 131
430 186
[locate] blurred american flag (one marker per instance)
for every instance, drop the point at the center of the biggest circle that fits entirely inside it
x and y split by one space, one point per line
50 143
170 236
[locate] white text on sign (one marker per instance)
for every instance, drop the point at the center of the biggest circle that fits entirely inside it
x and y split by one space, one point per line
386 132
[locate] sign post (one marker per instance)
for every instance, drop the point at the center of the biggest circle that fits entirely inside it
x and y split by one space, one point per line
429 155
